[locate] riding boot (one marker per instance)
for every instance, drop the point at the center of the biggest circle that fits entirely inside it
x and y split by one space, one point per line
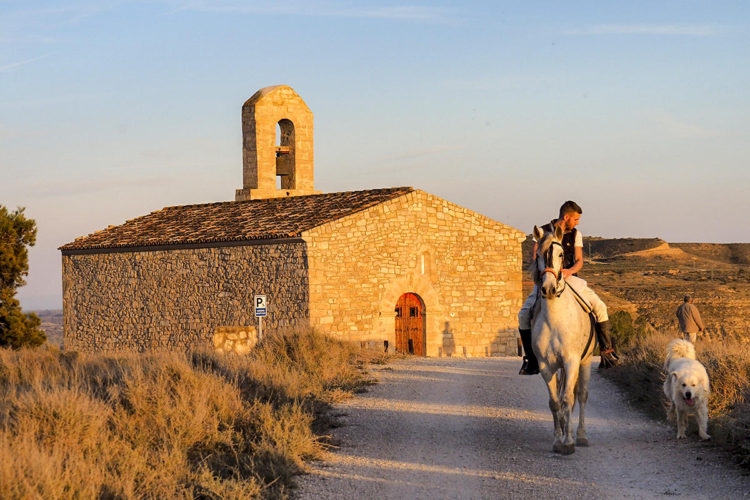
530 364
606 346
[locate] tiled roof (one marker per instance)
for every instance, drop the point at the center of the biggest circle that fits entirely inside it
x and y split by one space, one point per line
235 220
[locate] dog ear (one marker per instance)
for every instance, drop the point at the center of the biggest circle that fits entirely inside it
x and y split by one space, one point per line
673 376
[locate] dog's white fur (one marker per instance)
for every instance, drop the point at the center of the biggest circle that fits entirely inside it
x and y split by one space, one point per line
686 387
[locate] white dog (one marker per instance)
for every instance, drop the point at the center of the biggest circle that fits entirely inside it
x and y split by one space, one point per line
686 387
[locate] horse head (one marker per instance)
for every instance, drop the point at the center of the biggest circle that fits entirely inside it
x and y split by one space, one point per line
548 262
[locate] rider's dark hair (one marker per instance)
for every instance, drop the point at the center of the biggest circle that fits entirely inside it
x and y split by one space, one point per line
568 207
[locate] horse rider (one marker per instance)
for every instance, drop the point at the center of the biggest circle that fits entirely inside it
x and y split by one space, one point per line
572 242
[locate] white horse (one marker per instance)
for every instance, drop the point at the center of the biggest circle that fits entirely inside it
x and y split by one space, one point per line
562 337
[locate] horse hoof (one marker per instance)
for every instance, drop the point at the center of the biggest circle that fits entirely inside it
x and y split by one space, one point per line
568 449
582 442
557 447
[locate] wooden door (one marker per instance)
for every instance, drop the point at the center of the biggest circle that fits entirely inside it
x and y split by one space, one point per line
410 325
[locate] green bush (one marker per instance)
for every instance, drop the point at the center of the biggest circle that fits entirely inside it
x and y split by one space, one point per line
621 326
625 331
17 233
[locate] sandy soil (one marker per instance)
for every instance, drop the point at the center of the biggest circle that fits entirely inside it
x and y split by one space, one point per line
458 428
663 250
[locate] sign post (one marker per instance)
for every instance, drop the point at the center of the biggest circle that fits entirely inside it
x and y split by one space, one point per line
260 313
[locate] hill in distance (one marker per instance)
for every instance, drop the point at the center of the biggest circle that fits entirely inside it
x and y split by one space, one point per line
52 324
649 277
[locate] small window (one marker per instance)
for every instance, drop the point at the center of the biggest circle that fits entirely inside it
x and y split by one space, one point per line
398 312
412 312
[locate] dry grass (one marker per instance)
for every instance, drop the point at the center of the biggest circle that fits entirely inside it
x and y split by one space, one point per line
728 364
168 425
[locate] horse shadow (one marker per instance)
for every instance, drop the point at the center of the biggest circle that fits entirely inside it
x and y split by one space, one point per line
448 347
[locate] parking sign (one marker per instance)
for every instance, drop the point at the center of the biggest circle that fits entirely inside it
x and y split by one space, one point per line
260 306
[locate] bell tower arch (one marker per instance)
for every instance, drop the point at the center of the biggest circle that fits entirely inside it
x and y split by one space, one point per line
277 145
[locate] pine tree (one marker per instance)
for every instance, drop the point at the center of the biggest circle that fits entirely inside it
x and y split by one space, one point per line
17 233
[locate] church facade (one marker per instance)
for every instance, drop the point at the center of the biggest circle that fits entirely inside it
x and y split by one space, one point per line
396 266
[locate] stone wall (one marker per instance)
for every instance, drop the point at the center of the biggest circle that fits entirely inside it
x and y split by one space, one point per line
236 339
464 266
171 299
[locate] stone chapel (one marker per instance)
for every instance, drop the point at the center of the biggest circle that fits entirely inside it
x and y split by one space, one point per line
396 267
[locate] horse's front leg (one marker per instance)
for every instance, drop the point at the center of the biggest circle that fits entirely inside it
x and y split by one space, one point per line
582 394
550 378
567 402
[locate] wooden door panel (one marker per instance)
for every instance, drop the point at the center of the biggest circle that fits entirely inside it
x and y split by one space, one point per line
410 325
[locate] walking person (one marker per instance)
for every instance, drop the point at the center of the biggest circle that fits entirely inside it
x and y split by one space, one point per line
689 319
572 243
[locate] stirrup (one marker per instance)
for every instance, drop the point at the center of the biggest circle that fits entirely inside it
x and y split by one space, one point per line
611 351
609 359
525 370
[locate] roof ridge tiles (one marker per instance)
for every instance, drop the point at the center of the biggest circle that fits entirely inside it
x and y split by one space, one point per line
280 198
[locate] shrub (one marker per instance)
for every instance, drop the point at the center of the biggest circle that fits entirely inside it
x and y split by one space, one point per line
167 425
625 331
17 233
621 325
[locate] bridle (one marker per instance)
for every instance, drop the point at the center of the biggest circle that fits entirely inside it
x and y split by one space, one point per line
557 274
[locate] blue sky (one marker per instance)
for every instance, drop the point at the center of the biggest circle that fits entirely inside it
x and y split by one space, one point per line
636 110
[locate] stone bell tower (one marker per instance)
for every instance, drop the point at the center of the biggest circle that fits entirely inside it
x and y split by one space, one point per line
277 145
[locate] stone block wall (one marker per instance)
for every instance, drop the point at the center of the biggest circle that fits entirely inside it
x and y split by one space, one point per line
176 298
464 266
236 339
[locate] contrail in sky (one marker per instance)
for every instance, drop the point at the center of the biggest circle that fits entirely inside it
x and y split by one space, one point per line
646 29
10 66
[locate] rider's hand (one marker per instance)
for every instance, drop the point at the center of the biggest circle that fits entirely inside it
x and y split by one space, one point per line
566 273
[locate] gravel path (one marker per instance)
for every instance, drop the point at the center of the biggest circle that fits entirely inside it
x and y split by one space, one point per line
472 428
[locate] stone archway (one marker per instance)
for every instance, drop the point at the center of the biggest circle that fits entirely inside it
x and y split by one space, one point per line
410 325
420 286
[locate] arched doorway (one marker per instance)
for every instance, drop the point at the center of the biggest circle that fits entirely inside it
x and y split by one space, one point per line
410 320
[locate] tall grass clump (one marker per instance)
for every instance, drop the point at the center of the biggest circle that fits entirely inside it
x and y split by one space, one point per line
728 364
168 425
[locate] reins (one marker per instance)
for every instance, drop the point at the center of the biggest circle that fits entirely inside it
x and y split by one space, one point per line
587 309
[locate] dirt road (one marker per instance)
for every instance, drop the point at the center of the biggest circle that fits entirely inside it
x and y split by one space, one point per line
458 428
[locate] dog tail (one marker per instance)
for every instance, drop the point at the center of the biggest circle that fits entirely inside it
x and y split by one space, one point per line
679 348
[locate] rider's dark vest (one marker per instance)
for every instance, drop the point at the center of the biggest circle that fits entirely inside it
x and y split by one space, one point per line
568 243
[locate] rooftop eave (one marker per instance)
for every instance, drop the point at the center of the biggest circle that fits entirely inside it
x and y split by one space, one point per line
162 246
